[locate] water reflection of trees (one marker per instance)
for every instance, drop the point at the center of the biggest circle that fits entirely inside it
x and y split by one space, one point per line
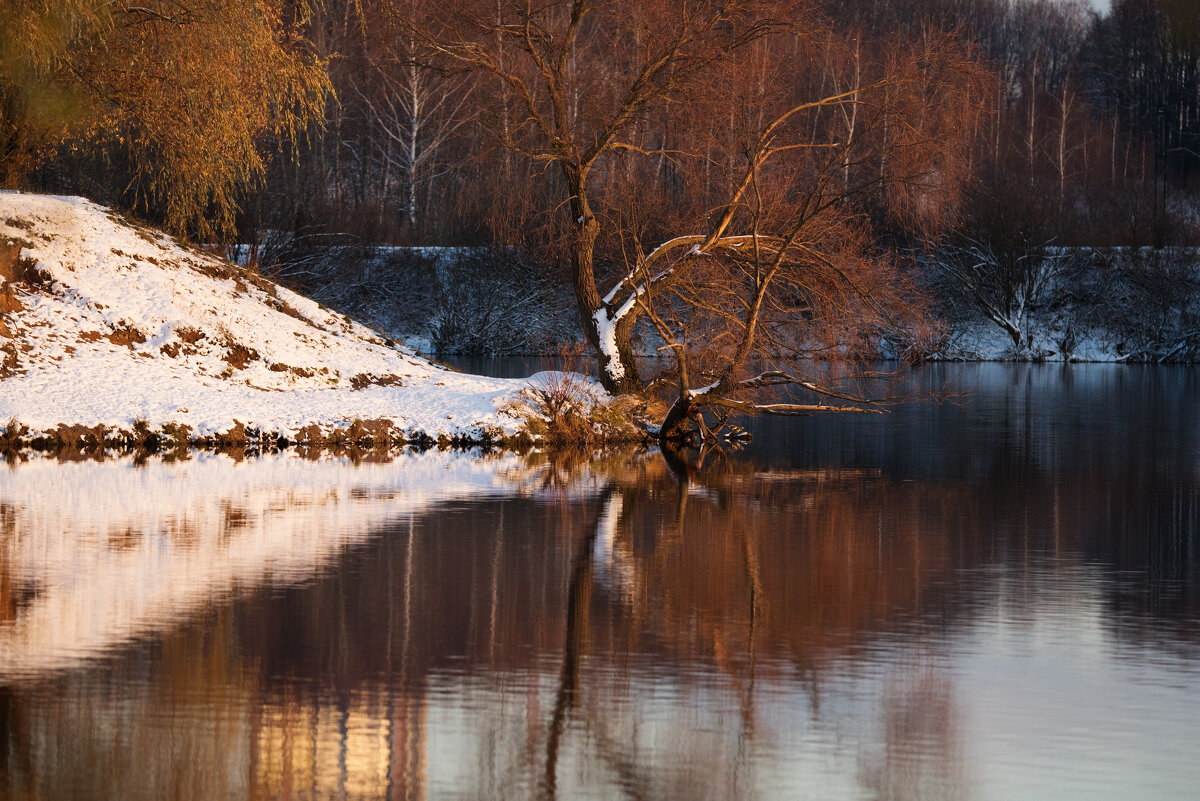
617 628
563 606
920 756
762 576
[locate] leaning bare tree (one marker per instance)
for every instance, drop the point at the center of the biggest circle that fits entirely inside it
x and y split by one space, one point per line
721 165
783 284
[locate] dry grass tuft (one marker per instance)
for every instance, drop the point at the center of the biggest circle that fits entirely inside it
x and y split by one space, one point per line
11 438
563 410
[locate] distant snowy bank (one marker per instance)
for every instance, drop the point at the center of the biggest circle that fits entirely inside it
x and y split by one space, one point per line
1031 302
1034 302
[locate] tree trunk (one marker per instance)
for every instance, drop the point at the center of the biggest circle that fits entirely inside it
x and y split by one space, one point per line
618 372
672 426
414 116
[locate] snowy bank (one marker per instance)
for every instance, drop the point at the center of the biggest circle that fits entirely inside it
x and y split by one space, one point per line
107 323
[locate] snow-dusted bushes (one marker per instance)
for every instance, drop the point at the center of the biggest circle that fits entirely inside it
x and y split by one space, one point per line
1009 283
490 302
1108 304
1149 301
463 301
389 289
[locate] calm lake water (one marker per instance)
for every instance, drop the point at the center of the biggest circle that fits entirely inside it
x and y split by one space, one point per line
993 599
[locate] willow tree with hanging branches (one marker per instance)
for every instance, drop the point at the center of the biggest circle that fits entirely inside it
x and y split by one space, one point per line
187 92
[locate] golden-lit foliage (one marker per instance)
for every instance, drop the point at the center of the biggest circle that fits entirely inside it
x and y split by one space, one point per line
187 91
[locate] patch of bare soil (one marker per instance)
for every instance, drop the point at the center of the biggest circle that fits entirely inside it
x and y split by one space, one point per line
291 311
10 252
219 271
127 336
364 380
300 372
9 301
15 268
237 355
188 334
189 337
10 362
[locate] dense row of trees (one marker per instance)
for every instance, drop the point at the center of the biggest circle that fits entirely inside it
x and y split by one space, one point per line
1092 134
741 186
375 134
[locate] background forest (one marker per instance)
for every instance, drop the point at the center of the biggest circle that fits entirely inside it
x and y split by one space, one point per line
340 146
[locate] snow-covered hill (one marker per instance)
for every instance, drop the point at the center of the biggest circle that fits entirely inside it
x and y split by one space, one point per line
104 322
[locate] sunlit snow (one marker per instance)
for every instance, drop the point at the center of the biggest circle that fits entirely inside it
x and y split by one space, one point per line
119 324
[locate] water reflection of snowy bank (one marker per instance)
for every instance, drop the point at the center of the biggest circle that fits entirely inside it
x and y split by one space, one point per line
96 554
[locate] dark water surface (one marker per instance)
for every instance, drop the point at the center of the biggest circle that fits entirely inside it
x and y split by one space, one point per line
996 599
